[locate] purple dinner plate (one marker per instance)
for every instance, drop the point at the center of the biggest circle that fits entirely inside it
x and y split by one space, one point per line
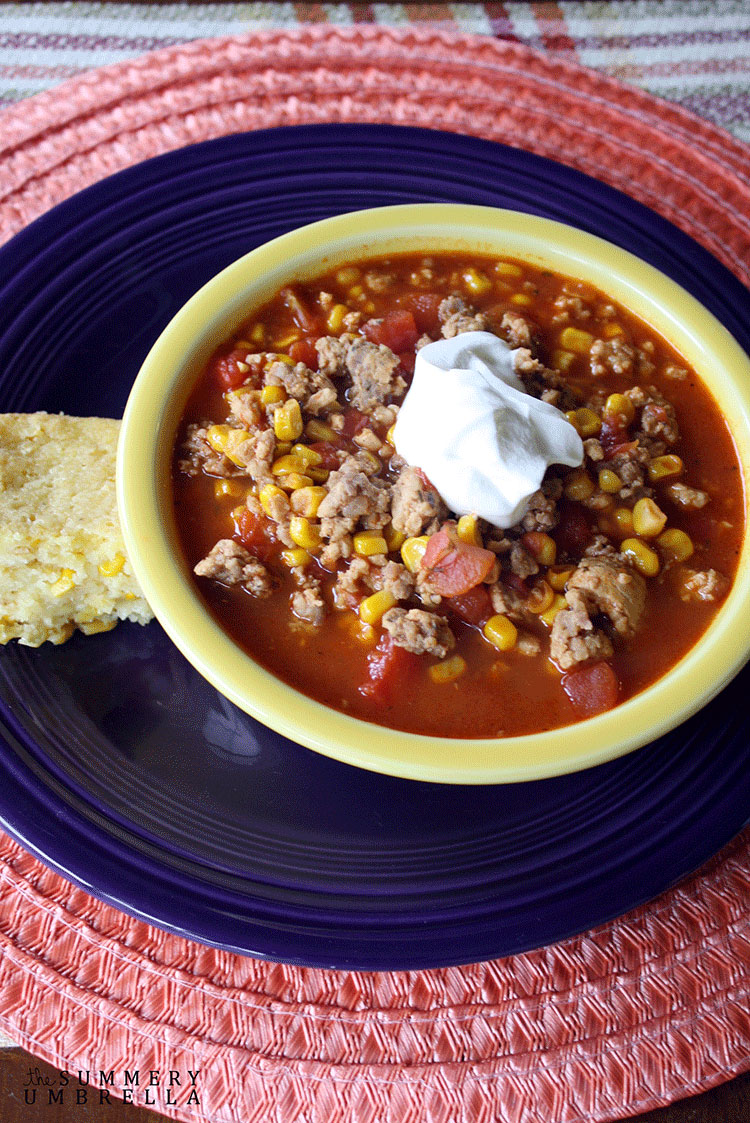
127 773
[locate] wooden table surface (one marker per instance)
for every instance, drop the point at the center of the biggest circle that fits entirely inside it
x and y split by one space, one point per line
20 1073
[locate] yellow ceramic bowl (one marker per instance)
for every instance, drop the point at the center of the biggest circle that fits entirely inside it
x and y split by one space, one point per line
213 314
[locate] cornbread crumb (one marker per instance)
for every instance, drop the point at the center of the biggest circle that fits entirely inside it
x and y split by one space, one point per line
62 558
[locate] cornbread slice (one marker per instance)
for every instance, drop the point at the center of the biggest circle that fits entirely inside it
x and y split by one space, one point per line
62 558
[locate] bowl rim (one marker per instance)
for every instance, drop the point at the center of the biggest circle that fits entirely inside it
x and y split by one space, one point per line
155 405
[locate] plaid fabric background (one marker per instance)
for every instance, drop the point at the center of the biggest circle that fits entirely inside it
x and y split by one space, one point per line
695 52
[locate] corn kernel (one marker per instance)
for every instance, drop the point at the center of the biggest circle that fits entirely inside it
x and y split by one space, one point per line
319 431
369 542
347 275
521 298
310 457
476 282
288 462
645 560
357 629
620 409
609 481
64 583
501 632
508 269
584 421
94 627
304 533
306 500
579 486
272 395
355 293
394 539
559 576
228 489
374 607
287 421
294 481
278 357
541 598
227 440
113 566
557 605
389 435
283 343
676 544
318 475
662 467
366 634
574 339
216 435
270 497
612 330
258 334
542 546
623 520
335 319
562 360
648 518
412 552
467 530
448 670
296 558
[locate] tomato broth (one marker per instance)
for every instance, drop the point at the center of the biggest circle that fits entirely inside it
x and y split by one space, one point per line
338 567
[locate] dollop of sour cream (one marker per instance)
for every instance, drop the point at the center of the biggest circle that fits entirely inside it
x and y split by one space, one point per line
482 441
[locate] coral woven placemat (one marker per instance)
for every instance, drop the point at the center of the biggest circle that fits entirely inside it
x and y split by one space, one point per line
632 1015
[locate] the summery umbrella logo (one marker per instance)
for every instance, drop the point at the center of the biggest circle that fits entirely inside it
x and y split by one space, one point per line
158 1088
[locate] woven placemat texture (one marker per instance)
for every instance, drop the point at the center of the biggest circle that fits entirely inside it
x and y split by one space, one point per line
639 1012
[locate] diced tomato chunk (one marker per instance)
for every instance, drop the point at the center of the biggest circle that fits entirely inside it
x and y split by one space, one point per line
388 669
618 450
573 531
303 351
354 422
256 533
407 360
397 330
424 307
328 453
233 370
454 566
473 607
614 439
592 689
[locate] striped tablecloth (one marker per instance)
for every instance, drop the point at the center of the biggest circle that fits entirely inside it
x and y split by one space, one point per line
695 52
